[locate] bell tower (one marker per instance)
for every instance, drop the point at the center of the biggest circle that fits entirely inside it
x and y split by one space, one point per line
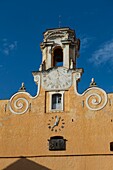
60 47
58 72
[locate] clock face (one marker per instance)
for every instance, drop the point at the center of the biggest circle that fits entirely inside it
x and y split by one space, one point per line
56 123
57 79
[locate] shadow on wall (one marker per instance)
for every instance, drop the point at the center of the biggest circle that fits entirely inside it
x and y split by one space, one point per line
25 164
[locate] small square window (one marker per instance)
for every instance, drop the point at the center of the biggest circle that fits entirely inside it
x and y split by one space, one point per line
57 143
56 101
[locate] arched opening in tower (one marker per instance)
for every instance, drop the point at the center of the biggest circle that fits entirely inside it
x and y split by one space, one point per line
58 57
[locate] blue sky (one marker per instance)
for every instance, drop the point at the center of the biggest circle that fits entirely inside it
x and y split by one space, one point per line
22 23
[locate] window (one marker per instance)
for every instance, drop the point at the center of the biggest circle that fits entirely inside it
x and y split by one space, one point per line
57 143
58 57
56 101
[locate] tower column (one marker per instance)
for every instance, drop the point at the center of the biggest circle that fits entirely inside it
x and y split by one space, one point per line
49 59
66 61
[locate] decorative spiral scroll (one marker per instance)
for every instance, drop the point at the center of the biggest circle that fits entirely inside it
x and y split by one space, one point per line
96 100
18 104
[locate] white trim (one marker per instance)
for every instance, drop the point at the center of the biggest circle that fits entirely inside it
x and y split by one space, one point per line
17 104
94 101
20 105
62 101
38 82
97 101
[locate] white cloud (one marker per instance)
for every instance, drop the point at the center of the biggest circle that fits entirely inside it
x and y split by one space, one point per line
7 46
5 51
104 54
85 42
4 39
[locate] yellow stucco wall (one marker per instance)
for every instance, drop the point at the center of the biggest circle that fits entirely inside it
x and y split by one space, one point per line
57 163
88 131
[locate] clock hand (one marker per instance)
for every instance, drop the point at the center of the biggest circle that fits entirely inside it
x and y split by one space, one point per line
56 122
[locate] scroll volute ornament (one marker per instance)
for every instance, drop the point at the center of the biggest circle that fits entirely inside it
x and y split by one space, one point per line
96 98
19 103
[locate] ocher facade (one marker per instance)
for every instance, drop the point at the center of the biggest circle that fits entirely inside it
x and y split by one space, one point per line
58 129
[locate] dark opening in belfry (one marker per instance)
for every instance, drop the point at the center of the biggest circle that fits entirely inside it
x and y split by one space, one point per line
58 57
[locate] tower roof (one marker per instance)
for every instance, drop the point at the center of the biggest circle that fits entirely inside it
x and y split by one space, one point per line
60 28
